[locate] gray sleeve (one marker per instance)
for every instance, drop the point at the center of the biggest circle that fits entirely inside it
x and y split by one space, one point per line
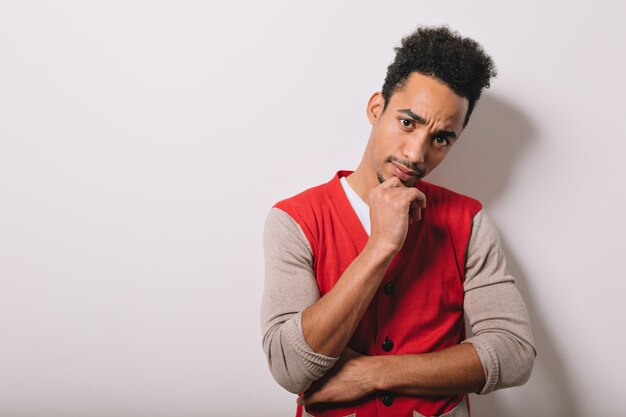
290 287
496 311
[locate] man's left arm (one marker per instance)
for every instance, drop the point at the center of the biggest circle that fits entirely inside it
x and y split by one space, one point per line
500 355
496 311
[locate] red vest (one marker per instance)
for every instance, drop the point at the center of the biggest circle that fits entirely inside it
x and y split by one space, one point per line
419 305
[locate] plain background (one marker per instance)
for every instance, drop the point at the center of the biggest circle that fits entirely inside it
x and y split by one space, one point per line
142 144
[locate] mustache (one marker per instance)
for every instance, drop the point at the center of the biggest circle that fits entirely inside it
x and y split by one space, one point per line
408 164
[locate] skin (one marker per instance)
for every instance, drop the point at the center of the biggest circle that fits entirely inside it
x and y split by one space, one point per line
409 138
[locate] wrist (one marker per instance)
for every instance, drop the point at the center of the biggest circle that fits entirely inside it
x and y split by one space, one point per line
375 371
378 249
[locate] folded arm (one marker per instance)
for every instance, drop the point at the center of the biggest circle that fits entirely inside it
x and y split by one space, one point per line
500 355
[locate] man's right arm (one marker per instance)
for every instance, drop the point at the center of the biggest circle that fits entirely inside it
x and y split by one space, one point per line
329 324
290 287
326 324
291 290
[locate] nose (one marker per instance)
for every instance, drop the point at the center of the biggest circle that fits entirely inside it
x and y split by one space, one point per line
416 148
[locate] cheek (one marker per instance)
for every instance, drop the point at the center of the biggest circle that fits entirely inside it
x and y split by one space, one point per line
385 141
435 159
389 130
389 139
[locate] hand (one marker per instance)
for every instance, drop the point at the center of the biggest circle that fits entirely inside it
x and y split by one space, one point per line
350 379
392 207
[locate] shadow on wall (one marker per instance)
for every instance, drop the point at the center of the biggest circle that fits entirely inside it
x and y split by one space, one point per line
481 165
483 159
548 393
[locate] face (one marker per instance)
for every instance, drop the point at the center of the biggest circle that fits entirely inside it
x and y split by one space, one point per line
415 132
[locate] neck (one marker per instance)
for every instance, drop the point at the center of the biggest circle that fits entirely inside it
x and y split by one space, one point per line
363 180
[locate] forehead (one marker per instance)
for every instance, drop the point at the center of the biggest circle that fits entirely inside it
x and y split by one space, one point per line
430 98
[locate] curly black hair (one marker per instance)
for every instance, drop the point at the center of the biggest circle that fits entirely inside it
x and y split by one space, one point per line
461 63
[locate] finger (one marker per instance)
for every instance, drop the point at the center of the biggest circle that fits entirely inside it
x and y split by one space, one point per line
415 211
410 196
304 398
392 182
416 196
306 401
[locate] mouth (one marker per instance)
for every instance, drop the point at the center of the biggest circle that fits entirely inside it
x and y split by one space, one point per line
403 173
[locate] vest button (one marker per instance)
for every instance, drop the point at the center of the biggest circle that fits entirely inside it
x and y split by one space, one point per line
388 289
387 344
387 399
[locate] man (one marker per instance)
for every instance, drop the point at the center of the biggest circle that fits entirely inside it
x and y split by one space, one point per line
369 276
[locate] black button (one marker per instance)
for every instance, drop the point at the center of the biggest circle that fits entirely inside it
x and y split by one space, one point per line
387 344
388 289
387 399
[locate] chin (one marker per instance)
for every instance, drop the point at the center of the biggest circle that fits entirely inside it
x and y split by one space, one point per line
410 183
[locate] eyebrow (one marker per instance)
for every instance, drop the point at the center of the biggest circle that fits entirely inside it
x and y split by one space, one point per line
419 119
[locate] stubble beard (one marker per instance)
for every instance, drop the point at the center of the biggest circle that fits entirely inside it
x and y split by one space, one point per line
420 172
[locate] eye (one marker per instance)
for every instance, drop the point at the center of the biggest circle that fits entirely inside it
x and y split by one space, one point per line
406 122
441 141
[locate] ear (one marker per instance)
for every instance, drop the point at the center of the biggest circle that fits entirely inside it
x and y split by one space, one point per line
375 107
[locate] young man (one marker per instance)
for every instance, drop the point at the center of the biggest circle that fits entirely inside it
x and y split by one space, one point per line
369 276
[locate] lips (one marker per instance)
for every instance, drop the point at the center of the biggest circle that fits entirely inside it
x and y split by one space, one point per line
402 173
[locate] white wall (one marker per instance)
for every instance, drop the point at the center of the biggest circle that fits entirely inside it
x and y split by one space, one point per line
142 144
